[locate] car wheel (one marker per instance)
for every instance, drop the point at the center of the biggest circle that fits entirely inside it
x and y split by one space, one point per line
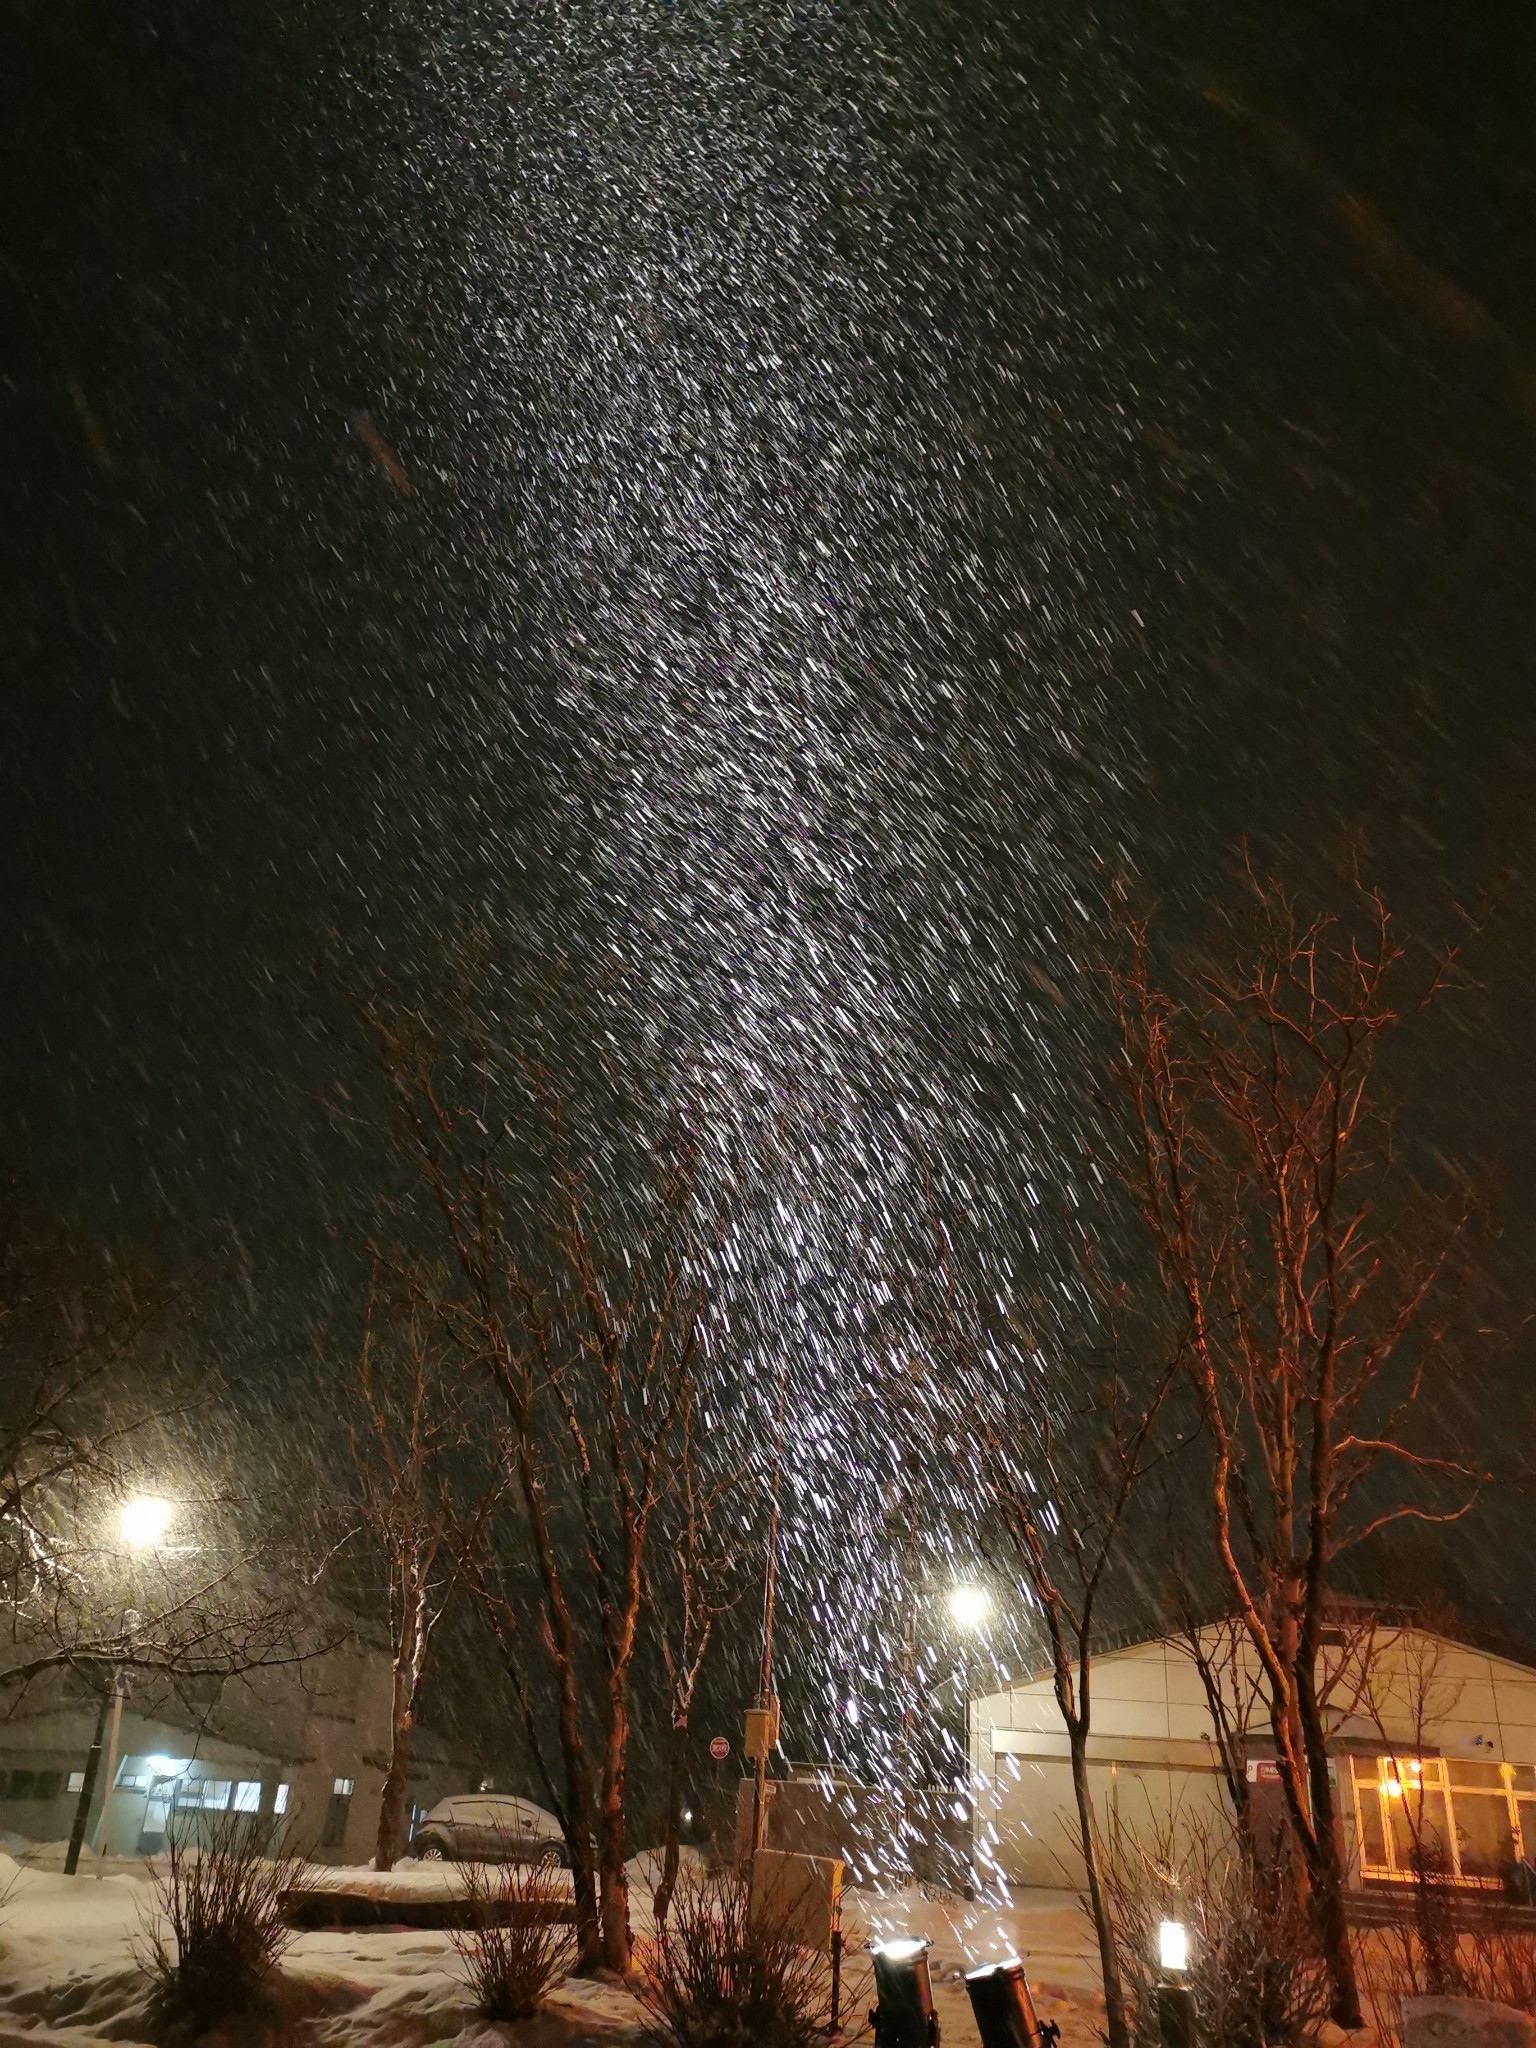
431 1851
549 1857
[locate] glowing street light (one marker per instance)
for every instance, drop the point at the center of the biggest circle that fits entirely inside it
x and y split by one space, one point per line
1173 1945
144 1521
1175 1998
970 1606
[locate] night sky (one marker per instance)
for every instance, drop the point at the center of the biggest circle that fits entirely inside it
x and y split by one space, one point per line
767 511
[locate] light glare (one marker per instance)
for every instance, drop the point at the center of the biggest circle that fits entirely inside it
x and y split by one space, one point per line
901 1949
970 1606
145 1520
1173 1945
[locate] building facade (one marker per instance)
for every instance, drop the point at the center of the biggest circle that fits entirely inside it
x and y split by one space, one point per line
306 1746
1433 1746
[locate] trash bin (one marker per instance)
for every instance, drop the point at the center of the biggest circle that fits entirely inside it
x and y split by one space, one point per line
903 2016
1005 2012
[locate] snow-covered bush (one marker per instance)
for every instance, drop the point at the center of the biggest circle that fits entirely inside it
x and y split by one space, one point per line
215 1929
519 1942
717 1975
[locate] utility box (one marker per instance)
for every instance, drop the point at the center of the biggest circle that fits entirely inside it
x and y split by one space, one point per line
762 1736
800 1896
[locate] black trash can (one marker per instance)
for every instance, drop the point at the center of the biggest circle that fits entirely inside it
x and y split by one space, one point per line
903 2016
1005 2012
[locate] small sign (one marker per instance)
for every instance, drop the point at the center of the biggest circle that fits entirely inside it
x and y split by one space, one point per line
1263 1770
720 1749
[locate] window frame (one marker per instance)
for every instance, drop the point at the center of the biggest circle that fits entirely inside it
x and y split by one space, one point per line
1433 1775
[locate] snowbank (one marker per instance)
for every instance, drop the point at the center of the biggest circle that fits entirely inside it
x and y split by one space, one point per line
69 1979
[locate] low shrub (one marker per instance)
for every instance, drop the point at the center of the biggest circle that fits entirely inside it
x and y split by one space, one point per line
518 1945
215 1928
1255 1970
718 1975
1442 1942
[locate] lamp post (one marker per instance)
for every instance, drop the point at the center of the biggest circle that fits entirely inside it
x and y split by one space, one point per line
1175 1999
143 1523
970 1609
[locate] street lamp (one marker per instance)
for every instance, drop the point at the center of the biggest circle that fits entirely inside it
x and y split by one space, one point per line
1175 1998
970 1607
144 1521
1173 1946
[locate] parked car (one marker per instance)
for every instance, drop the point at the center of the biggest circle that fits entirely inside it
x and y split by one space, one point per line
488 1827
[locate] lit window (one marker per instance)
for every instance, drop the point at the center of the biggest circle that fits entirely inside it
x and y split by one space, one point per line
248 1796
76 1781
280 1803
338 1808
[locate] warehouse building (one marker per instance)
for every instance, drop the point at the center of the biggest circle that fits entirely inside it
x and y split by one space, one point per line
305 1745
1433 1741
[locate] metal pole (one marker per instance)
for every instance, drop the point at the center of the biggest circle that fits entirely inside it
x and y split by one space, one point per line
968 1886
908 1714
770 1596
87 1791
104 1821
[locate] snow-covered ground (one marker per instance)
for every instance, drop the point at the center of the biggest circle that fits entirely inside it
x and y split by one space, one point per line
68 1977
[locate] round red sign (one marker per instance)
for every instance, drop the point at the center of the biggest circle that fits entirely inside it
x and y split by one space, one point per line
720 1749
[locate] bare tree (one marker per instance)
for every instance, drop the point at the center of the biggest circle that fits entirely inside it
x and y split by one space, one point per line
1310 1294
90 1392
1057 1504
585 1322
1234 1695
705 1515
407 1449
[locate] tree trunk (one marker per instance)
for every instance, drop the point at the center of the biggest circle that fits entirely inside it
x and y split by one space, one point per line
1117 2033
671 1854
578 1833
1325 1869
389 1845
613 1880
1333 1938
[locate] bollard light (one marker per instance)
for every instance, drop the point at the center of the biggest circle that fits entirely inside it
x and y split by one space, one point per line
1005 2012
1175 2000
1173 1946
903 2016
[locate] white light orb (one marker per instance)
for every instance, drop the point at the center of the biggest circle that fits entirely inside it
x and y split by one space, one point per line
1173 1945
970 1606
144 1521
